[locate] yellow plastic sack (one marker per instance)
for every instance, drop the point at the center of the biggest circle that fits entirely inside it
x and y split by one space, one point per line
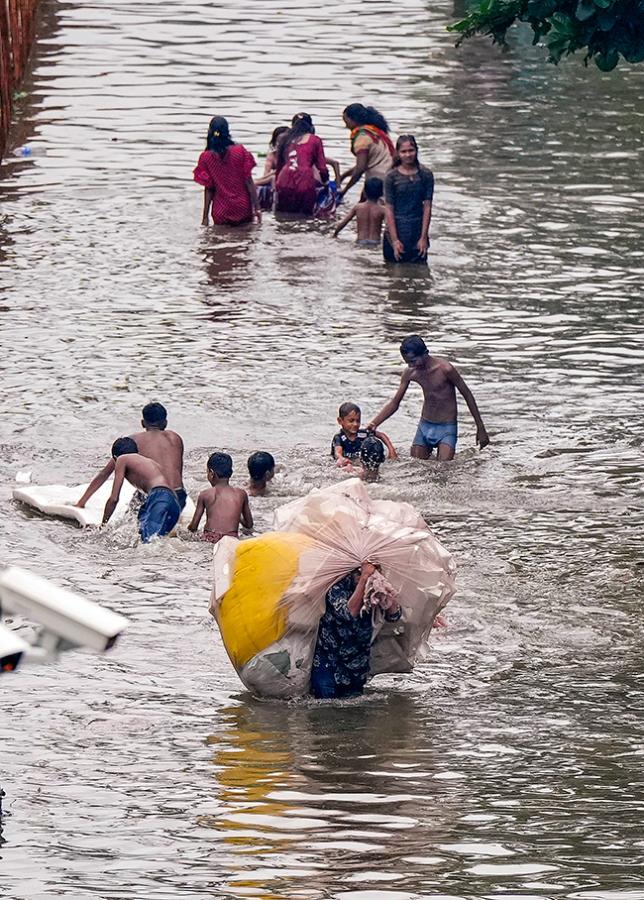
249 614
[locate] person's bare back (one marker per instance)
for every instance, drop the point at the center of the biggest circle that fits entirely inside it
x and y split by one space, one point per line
369 219
166 449
225 508
142 472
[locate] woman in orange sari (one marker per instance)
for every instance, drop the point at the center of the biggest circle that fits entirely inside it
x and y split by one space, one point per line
370 144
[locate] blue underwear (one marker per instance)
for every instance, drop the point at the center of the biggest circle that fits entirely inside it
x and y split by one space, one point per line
159 514
431 434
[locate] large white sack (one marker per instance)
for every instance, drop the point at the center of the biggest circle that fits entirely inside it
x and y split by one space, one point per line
344 527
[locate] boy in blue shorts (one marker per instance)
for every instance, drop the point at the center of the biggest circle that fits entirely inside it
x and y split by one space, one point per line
437 429
160 510
346 444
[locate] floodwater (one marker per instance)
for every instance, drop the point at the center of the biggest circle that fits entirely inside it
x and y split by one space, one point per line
510 764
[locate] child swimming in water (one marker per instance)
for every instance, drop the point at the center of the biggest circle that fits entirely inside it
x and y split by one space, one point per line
369 215
346 444
226 507
261 468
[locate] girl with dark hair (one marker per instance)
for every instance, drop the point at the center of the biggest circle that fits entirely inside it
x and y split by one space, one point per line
409 190
370 144
301 167
266 184
224 169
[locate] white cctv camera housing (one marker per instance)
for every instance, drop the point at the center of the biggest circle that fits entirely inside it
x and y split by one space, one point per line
67 619
12 648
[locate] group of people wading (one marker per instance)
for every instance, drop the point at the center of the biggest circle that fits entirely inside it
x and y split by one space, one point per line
296 179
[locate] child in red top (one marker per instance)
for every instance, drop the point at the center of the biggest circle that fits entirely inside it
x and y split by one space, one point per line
224 169
301 167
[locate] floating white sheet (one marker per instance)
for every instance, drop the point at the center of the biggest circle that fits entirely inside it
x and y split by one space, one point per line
59 499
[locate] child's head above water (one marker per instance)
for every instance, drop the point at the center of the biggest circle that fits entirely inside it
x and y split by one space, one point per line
349 416
261 466
155 415
276 135
372 456
373 188
220 465
124 445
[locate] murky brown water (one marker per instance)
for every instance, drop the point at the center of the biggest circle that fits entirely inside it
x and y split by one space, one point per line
510 764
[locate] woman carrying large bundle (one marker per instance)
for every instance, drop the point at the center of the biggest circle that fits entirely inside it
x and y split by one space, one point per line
301 167
370 144
224 169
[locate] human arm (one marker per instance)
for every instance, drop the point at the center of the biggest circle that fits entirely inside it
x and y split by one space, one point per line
392 405
119 476
391 450
319 159
423 241
199 511
355 174
454 376
335 165
354 603
254 202
344 222
269 165
208 196
246 517
390 222
96 483
265 179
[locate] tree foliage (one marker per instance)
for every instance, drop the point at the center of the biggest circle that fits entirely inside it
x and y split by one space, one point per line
605 29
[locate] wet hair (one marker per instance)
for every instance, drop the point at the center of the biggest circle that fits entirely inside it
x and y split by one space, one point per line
372 452
124 445
366 115
404 139
259 464
218 138
221 464
347 408
413 345
373 188
277 134
301 123
155 414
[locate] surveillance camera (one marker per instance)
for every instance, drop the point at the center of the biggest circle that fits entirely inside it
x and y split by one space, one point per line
11 649
68 620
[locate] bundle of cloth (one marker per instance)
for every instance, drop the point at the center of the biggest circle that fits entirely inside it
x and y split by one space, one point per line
269 592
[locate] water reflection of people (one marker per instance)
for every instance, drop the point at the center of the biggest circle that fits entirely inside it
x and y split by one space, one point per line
224 169
341 657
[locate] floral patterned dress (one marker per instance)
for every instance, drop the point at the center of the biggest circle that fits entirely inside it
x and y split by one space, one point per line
341 656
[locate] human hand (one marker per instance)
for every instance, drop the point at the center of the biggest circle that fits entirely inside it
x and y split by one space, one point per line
482 438
367 569
399 249
370 427
422 245
258 215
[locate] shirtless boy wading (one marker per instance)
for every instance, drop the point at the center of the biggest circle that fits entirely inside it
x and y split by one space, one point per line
156 443
439 380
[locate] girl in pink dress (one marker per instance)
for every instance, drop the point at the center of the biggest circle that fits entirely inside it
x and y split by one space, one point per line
224 169
301 167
